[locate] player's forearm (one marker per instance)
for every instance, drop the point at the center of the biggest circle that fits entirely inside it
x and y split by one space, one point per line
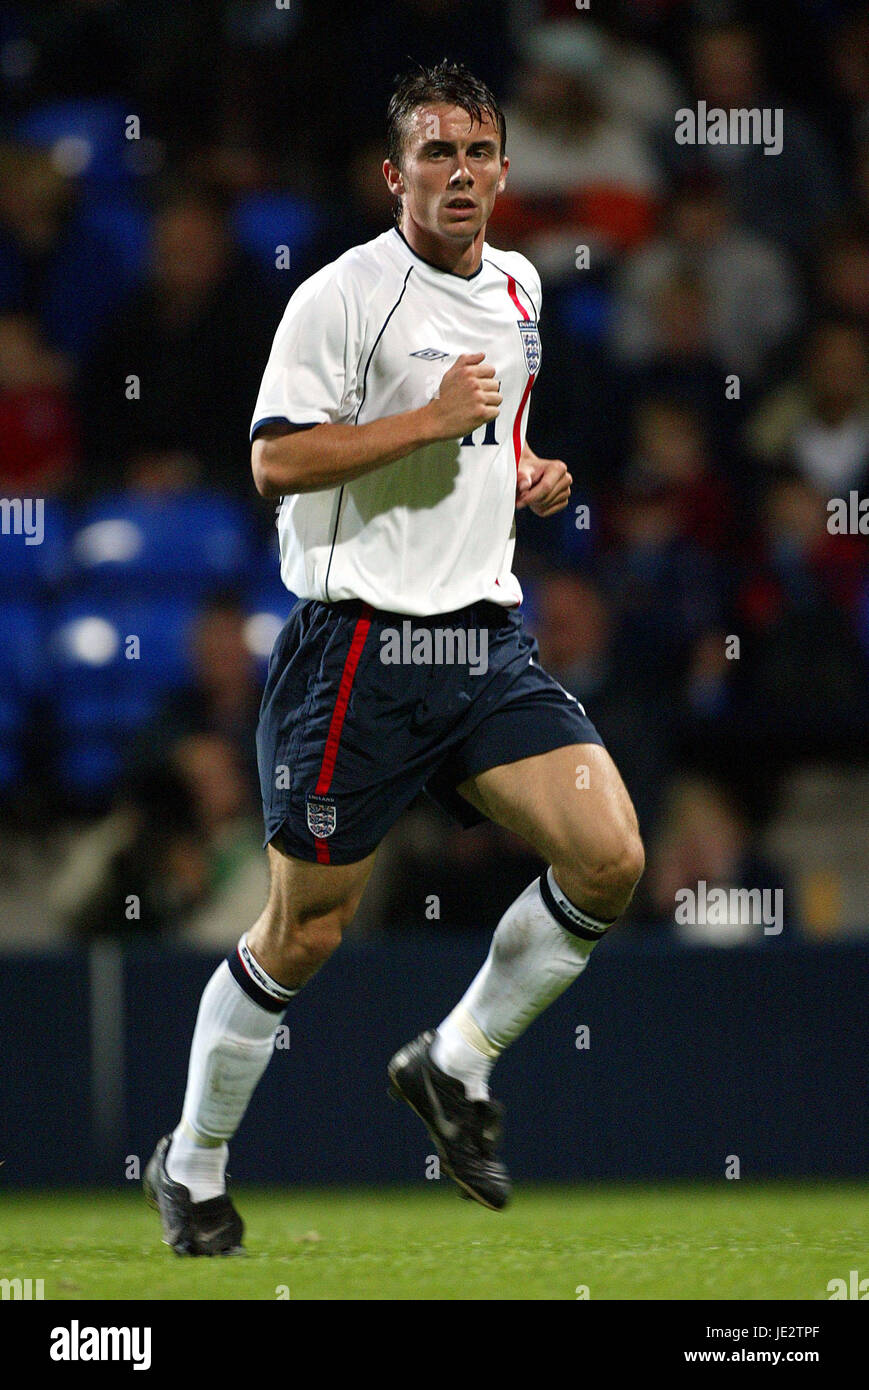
327 455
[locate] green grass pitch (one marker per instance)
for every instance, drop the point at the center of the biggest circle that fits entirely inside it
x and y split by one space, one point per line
732 1240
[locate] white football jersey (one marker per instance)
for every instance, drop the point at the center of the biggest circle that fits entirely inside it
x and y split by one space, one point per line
371 335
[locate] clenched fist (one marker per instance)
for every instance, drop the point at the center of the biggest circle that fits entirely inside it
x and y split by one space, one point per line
468 396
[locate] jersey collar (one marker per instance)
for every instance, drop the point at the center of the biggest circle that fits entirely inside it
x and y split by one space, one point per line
452 273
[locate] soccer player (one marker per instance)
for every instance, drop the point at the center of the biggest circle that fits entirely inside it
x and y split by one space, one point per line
391 423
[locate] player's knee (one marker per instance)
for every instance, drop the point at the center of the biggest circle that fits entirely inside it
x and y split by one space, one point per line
604 882
301 939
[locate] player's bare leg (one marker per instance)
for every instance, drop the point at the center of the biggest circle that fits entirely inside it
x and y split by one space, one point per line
572 807
309 907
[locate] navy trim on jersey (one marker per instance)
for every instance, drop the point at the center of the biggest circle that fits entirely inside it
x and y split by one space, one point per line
507 273
455 274
281 420
356 422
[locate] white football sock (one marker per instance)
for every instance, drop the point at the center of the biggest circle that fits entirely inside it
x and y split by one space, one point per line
541 944
233 1040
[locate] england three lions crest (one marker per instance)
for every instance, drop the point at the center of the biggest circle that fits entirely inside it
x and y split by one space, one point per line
322 816
530 344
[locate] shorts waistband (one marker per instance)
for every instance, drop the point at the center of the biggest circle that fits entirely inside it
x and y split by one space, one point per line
483 613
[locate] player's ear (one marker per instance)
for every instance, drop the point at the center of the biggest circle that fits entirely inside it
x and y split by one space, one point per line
502 178
392 174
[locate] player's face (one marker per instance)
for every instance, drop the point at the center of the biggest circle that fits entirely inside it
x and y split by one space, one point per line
451 172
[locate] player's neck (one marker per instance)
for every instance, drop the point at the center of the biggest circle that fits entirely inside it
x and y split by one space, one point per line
459 258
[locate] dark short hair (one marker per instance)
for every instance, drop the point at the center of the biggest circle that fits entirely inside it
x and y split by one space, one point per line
446 82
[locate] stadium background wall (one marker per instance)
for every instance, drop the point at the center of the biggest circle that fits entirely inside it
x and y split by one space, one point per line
694 1055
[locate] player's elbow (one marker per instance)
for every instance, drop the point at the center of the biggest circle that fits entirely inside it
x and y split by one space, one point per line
264 467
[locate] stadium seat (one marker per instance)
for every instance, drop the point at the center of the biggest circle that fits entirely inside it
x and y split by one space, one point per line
268 605
125 225
21 677
27 569
112 661
188 543
86 138
261 222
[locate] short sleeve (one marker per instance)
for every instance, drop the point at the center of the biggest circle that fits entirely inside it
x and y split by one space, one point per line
536 293
311 374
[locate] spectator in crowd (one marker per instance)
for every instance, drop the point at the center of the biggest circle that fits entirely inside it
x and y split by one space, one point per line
179 366
181 836
819 421
54 263
580 645
784 671
801 681
667 588
842 274
849 69
746 280
787 197
683 363
672 451
38 425
137 870
641 89
705 839
579 174
222 700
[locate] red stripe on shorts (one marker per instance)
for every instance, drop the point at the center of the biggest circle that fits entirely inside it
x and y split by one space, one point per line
336 724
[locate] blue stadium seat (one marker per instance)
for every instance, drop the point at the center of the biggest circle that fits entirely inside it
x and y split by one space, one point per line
126 226
28 565
87 137
187 544
21 678
585 312
268 606
261 222
104 685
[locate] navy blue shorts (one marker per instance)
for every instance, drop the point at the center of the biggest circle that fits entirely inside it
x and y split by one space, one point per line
363 709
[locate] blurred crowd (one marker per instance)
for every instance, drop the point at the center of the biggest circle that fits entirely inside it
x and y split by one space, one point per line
170 173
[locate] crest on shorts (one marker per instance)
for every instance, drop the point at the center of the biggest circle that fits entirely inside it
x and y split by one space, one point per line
530 344
322 816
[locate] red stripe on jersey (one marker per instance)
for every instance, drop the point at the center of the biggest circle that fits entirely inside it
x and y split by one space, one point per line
336 724
517 423
511 290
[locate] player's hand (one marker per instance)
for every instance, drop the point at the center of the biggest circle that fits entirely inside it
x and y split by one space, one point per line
468 396
543 485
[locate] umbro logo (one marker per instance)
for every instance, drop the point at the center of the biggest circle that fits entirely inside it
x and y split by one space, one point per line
429 354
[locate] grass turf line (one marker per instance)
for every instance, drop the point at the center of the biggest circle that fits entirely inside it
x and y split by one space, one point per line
733 1240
